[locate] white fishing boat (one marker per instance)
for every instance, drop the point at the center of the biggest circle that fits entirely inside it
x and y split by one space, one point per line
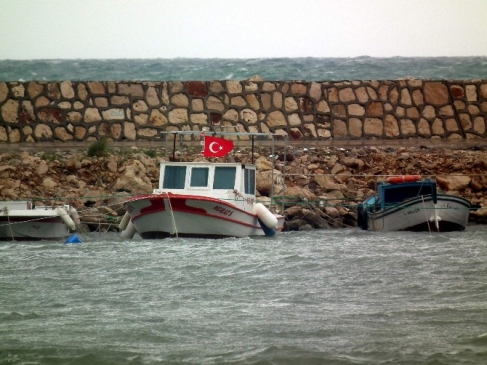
411 203
202 199
23 220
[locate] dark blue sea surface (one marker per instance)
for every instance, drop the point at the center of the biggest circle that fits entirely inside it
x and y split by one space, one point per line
271 69
344 296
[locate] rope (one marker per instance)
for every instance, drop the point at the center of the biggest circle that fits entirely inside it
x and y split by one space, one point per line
172 215
426 214
9 224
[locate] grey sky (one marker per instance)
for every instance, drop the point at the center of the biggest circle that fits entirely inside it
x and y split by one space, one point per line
35 29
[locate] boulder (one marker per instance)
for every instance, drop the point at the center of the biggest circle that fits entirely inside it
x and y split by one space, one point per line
453 182
266 178
134 179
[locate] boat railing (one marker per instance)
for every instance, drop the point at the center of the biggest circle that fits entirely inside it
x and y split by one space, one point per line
234 134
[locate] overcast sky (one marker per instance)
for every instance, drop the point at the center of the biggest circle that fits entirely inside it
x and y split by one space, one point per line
47 29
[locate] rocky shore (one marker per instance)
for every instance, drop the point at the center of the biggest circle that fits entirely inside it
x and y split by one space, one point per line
316 187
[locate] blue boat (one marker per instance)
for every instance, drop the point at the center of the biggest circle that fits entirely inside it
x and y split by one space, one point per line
411 203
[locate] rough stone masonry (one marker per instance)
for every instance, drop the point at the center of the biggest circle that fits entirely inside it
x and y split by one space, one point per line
347 110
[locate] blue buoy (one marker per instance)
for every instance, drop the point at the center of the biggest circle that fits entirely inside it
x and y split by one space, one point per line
267 231
73 239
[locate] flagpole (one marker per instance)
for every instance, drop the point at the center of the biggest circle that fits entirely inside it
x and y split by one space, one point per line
174 147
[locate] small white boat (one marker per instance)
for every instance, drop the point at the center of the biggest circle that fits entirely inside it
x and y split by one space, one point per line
23 220
411 203
201 199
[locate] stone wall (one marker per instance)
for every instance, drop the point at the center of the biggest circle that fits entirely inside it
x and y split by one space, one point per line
347 110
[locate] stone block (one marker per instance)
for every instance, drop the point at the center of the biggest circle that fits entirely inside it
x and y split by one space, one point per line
199 118
276 119
479 125
407 127
406 97
435 93
62 134
315 91
43 132
298 89
418 99
96 88
346 95
129 131
92 115
10 111
290 104
373 127
248 116
362 95
466 121
213 103
67 90
375 109
34 90
483 91
391 126
355 127
178 116
424 128
234 87
294 119
253 101
113 114
180 100
471 93
3 134
3 91
339 129
18 90
356 110
451 125
437 127
277 100
140 106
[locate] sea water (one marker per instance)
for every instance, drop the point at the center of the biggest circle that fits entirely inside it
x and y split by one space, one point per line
319 297
340 296
271 69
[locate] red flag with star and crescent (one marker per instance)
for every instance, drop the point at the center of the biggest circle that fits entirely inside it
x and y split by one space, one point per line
216 147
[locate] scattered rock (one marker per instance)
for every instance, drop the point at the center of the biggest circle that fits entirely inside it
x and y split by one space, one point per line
314 188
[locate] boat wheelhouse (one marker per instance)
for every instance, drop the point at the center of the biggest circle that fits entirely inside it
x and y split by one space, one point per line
413 205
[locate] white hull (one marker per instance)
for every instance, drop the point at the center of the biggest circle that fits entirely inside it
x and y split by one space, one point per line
159 216
450 213
20 221
29 227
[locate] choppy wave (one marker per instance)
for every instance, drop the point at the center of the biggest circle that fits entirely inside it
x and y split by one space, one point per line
343 297
272 69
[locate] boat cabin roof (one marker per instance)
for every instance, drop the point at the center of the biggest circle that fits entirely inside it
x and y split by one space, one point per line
202 177
389 193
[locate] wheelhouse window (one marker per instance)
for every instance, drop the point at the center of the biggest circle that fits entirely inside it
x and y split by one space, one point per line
407 192
224 177
199 177
174 177
249 176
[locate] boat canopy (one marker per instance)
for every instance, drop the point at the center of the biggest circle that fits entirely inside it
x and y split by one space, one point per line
390 194
202 176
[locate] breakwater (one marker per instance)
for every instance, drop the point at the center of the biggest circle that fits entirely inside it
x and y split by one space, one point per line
347 110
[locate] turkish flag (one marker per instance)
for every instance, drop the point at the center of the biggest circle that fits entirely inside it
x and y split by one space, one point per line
216 147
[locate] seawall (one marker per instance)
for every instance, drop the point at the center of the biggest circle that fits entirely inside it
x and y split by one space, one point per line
449 110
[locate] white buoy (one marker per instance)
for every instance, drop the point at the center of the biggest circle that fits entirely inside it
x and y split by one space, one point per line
125 220
128 232
66 218
265 215
74 215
